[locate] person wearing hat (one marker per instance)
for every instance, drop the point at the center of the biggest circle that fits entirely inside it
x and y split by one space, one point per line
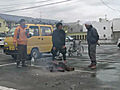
20 42
92 39
58 39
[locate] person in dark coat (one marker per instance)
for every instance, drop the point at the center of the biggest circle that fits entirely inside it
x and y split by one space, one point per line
92 39
58 39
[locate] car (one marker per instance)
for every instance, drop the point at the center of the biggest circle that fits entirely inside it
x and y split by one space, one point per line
2 38
118 43
40 41
69 38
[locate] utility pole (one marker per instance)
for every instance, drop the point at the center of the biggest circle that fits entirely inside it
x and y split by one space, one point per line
40 16
105 16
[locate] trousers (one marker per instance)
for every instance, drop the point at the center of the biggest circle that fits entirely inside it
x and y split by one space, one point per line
92 53
61 50
22 53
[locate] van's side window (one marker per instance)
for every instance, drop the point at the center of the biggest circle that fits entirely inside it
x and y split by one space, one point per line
34 30
46 31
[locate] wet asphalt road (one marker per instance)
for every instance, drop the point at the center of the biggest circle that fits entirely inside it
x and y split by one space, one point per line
37 77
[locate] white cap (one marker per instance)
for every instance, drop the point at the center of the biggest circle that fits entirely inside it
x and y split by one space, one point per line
88 23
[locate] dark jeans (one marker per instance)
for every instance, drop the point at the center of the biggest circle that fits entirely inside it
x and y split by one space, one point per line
22 53
92 53
61 50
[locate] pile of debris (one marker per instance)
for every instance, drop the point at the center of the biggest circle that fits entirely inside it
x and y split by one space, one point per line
60 66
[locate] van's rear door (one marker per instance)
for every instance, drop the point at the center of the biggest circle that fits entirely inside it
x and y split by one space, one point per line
46 38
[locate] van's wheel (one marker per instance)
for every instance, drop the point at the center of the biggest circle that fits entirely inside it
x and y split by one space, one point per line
35 53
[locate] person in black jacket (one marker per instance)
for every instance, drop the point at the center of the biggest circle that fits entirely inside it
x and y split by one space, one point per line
58 39
92 39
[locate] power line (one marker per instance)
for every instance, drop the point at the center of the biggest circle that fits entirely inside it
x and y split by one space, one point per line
49 4
27 3
41 11
109 6
11 6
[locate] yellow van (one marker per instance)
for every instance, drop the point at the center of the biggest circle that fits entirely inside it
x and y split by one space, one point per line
40 41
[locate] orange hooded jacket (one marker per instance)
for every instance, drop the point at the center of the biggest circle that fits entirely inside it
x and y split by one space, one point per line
20 36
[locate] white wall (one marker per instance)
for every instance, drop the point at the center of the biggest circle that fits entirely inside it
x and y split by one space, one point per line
3 27
104 28
100 28
116 24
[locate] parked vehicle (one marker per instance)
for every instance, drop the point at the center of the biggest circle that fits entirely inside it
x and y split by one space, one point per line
40 41
118 43
69 41
2 38
75 49
69 38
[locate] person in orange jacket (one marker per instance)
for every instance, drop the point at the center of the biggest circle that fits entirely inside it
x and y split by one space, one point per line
20 40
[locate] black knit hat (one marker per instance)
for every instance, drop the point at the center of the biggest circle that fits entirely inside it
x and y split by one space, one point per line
22 20
58 24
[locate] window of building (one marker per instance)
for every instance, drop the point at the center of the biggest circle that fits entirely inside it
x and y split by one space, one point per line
112 28
104 35
104 28
77 37
83 37
111 35
80 37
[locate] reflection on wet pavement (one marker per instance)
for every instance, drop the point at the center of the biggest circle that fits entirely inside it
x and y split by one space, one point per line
105 77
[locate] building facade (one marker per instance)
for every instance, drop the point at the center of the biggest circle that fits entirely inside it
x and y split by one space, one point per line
78 35
104 28
3 26
75 30
8 21
116 28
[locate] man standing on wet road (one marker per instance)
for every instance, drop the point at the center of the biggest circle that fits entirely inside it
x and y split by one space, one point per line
20 38
58 39
92 39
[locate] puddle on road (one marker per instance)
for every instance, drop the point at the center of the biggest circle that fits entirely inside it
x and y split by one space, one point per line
108 75
109 72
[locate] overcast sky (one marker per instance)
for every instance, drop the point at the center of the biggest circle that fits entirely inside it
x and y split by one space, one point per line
69 12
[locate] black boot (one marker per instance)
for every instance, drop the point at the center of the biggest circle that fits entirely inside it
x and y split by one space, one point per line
18 64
